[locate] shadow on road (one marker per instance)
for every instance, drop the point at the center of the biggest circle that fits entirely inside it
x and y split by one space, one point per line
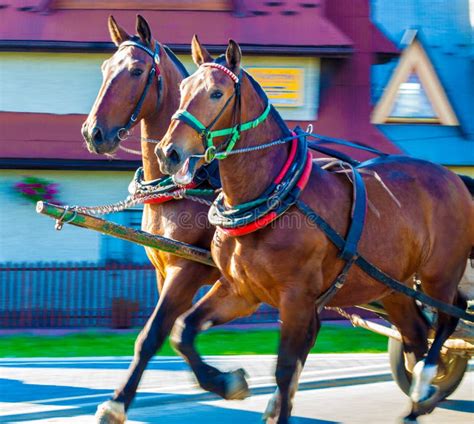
205 414
458 405
57 397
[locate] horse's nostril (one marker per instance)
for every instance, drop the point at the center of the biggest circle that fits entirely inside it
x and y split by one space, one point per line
97 135
173 156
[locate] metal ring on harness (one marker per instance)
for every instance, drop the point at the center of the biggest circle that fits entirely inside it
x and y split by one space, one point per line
119 134
210 154
60 221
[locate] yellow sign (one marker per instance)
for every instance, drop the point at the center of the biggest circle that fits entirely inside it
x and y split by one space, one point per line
284 86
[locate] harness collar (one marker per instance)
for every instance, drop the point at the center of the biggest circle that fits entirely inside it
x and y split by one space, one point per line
286 188
164 189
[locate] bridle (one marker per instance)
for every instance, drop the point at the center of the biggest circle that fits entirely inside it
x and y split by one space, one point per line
233 133
155 55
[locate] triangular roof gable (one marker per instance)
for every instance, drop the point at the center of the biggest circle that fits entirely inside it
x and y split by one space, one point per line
414 60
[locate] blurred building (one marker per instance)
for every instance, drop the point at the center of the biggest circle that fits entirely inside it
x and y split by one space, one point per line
424 100
325 62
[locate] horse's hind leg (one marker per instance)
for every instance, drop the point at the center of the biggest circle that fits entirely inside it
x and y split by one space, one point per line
424 396
405 315
219 306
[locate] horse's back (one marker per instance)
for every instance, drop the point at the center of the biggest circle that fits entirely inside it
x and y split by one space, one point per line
434 202
434 184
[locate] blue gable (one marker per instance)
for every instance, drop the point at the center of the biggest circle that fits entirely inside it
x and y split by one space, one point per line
446 35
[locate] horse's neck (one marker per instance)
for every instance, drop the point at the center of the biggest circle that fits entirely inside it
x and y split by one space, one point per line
155 124
246 175
150 130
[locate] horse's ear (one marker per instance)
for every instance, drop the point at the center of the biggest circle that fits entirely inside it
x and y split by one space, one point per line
143 30
117 33
233 56
199 53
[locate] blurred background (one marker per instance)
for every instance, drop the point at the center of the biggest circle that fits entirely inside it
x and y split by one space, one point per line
397 75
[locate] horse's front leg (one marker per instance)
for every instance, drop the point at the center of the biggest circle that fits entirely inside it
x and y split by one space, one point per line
177 293
299 328
220 305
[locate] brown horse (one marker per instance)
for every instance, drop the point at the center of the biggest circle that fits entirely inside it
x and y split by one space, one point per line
125 77
290 263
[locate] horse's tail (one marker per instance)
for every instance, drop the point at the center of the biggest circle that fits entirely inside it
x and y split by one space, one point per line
468 182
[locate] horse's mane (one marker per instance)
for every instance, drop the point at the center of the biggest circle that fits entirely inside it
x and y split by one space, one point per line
176 61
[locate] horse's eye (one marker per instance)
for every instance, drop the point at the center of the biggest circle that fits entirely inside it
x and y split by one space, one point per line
216 94
136 72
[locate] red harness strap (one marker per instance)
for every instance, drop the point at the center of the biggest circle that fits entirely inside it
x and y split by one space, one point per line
271 216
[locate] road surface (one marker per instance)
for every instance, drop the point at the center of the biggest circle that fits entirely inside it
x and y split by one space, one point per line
343 388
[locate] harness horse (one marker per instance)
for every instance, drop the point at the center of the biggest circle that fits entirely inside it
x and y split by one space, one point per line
140 85
340 252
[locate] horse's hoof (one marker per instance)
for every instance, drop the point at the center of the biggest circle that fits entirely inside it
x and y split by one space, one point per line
110 412
272 410
426 406
421 388
236 387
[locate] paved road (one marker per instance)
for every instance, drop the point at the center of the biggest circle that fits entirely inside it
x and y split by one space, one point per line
335 388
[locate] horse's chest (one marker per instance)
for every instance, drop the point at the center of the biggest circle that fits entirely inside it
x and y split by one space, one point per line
246 268
155 223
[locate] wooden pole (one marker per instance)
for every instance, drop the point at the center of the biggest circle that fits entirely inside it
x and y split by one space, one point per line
453 345
78 219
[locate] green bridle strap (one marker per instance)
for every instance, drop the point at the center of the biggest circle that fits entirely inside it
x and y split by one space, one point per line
257 121
207 135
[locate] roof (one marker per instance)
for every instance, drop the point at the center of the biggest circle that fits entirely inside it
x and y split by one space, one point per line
345 105
437 143
446 36
288 25
332 26
380 42
29 136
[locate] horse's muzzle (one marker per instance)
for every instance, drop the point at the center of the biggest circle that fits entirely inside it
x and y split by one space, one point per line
169 158
97 141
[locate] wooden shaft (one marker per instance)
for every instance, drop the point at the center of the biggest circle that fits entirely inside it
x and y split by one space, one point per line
78 219
453 345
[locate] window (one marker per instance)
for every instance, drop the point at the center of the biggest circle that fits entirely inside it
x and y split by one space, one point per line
414 93
471 12
411 101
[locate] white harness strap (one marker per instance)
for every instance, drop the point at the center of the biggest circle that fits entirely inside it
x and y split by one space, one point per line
228 72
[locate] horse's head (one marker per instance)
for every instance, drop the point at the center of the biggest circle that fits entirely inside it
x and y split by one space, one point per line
208 103
130 88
